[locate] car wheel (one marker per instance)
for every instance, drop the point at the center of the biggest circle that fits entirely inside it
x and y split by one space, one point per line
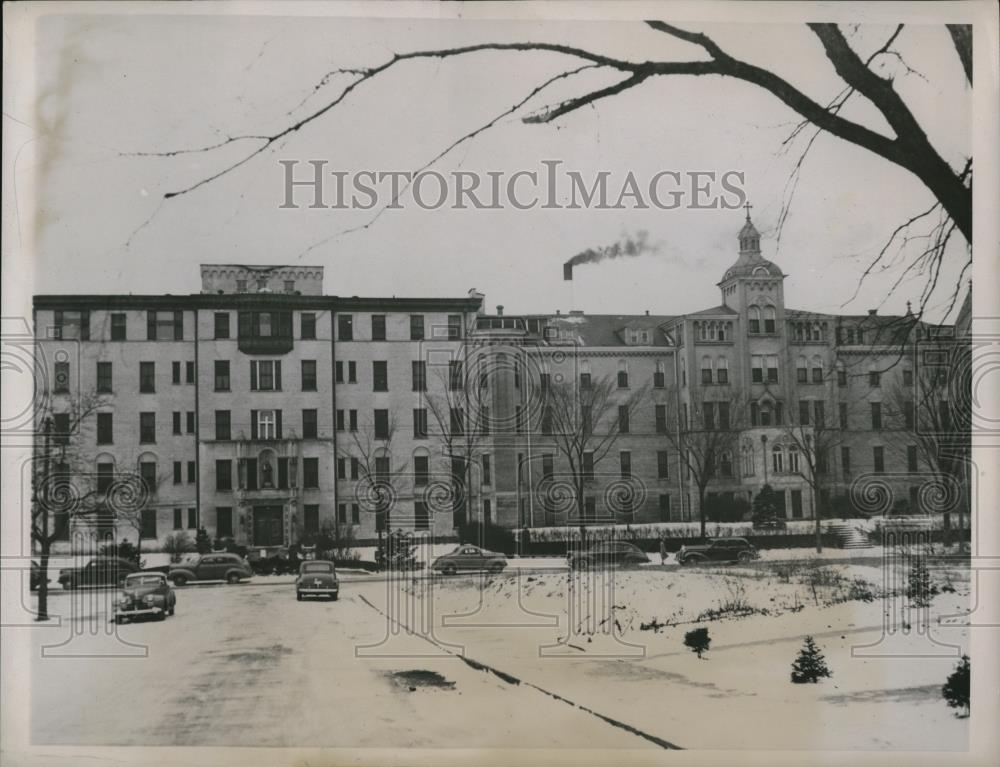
171 610
497 567
334 597
180 580
118 620
743 556
232 578
298 596
581 564
68 585
448 570
161 616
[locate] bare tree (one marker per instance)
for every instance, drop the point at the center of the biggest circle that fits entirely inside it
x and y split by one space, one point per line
370 454
904 144
703 441
584 422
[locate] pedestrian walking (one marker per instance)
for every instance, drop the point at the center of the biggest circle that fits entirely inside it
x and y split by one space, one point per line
663 551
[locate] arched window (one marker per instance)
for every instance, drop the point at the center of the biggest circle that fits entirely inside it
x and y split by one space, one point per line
748 468
725 464
778 459
793 459
801 371
753 315
772 368
421 467
722 370
817 369
706 369
622 374
765 414
684 371
722 330
817 332
757 369
702 331
713 330
769 319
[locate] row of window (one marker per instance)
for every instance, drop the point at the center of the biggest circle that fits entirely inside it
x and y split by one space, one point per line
254 474
418 328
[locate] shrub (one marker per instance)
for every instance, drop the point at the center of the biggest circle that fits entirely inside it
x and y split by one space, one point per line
810 666
202 543
698 640
176 544
488 536
919 587
230 546
124 550
956 689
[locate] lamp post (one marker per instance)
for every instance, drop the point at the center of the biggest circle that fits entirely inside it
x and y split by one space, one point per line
763 442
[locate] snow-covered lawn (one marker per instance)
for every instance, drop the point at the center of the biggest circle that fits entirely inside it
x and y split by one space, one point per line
554 630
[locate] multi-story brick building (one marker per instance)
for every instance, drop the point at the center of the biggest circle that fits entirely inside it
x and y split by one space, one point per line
264 410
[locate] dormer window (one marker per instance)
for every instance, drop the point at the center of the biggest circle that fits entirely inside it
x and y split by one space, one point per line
241 286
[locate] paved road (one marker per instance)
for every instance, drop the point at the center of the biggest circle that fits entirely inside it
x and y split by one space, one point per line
248 665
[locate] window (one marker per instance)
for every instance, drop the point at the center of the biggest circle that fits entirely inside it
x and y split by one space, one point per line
817 370
622 374
748 461
769 319
192 472
307 326
911 458
265 375
352 371
265 424
876 415
308 375
722 370
178 472
803 412
341 468
416 327
907 376
457 420
147 472
222 375
841 374
342 513
455 375
878 458
104 377
420 423
175 372
241 286
223 521
842 414
845 460
60 428
588 464
662 464
726 464
340 420
772 369
192 519
309 429
661 419
625 464
793 459
659 375
338 371
148 523
454 327
777 459
355 468
72 325
381 424
380 375
189 422
345 327
164 326
548 464
757 369
147 377
753 316
585 380
723 415
310 472
147 427
421 516
590 508
223 475
708 415
874 378
819 414
310 518
352 421
487 471
518 419
105 428
421 470
382 468
222 324
546 419
189 372
484 419
177 422
223 428
664 507
706 370
105 476
801 371
623 419
909 420
118 327
378 327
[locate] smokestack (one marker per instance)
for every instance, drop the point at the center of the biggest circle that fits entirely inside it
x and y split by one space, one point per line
567 271
627 247
499 310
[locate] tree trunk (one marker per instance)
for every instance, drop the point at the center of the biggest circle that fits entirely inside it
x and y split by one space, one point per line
816 514
701 510
43 582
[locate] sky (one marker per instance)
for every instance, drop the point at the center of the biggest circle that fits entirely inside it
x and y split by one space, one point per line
114 90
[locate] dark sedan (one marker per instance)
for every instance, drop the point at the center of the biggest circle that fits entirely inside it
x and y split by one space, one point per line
468 557
607 554
99 571
145 595
317 578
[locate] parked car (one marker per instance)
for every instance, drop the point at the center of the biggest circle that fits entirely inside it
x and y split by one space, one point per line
209 567
607 554
769 522
145 594
718 550
36 576
469 557
317 578
99 571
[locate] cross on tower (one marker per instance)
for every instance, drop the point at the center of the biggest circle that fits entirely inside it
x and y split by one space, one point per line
747 208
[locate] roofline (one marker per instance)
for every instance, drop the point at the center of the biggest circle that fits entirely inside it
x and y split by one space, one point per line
250 300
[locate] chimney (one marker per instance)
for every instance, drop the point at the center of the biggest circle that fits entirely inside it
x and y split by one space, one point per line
557 312
499 310
647 312
872 312
567 271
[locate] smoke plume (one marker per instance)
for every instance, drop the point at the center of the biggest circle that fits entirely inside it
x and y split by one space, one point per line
627 247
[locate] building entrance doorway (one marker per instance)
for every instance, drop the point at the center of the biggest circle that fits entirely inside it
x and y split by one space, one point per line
268 526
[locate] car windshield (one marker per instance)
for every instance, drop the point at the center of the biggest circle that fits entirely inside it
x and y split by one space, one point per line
144 580
317 567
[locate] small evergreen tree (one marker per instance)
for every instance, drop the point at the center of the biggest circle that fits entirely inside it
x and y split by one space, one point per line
810 666
202 543
956 689
698 640
919 587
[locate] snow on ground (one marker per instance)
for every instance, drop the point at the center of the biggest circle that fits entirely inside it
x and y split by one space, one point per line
740 695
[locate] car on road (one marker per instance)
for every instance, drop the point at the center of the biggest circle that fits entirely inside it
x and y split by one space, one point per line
769 522
145 595
209 567
468 557
607 554
718 550
317 578
99 571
